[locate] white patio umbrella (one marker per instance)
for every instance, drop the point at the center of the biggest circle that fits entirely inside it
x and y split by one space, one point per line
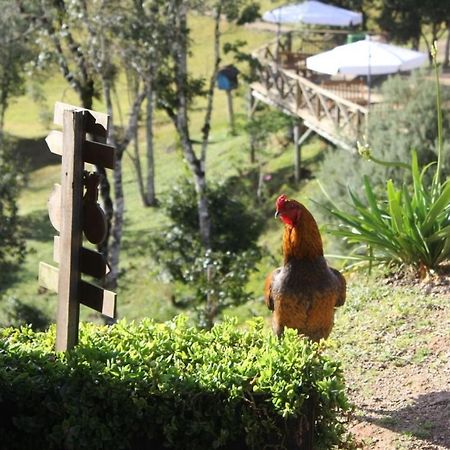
366 57
313 13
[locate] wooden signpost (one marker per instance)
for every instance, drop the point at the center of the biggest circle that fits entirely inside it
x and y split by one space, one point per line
74 211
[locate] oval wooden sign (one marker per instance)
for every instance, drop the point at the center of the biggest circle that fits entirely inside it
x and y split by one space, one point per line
94 223
54 207
94 219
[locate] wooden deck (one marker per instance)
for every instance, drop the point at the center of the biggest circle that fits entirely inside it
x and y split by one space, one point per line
336 110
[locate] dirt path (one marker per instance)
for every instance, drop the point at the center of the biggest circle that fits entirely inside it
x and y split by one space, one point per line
408 409
395 349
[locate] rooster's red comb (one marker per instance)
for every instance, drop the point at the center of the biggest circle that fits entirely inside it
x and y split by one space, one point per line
281 200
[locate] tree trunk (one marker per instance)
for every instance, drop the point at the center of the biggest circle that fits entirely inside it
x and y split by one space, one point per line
447 47
150 194
136 159
203 210
212 82
2 123
117 219
119 210
181 78
133 84
87 93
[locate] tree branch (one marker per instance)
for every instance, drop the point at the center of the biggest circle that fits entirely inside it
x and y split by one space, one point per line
207 123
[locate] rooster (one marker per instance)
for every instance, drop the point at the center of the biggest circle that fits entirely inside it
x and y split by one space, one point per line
305 291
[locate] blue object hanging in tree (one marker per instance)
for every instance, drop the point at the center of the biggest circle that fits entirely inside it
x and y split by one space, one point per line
227 78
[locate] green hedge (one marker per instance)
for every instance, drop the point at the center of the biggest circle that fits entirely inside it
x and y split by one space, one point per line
151 386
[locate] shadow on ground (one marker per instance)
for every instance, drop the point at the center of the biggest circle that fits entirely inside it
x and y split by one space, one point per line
36 226
35 153
428 418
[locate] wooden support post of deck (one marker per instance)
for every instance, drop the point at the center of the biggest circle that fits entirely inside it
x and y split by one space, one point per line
299 140
297 152
251 111
230 111
289 41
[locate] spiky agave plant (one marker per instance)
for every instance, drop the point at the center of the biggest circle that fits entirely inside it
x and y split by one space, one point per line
408 225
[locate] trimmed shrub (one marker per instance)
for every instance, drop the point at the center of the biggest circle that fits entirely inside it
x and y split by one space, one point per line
152 386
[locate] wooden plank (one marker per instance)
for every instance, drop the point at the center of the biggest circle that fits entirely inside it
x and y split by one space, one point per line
48 276
92 296
325 108
306 95
99 154
98 127
92 263
55 142
98 299
70 233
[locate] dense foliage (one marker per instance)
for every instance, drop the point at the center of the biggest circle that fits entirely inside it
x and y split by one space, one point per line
209 280
166 386
12 244
15 52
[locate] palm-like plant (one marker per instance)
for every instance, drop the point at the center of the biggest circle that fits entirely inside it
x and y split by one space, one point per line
408 225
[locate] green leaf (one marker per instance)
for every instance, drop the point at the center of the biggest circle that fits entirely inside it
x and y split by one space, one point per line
440 206
372 200
394 199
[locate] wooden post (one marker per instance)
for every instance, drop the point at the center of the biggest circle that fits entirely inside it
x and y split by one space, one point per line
251 110
70 233
230 110
297 152
289 41
74 211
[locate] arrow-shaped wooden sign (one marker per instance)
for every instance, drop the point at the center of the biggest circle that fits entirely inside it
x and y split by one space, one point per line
92 263
90 295
96 123
93 152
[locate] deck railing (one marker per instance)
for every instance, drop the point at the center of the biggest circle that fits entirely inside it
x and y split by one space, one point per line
335 108
316 105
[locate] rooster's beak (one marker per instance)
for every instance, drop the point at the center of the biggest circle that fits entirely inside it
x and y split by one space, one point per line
277 213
